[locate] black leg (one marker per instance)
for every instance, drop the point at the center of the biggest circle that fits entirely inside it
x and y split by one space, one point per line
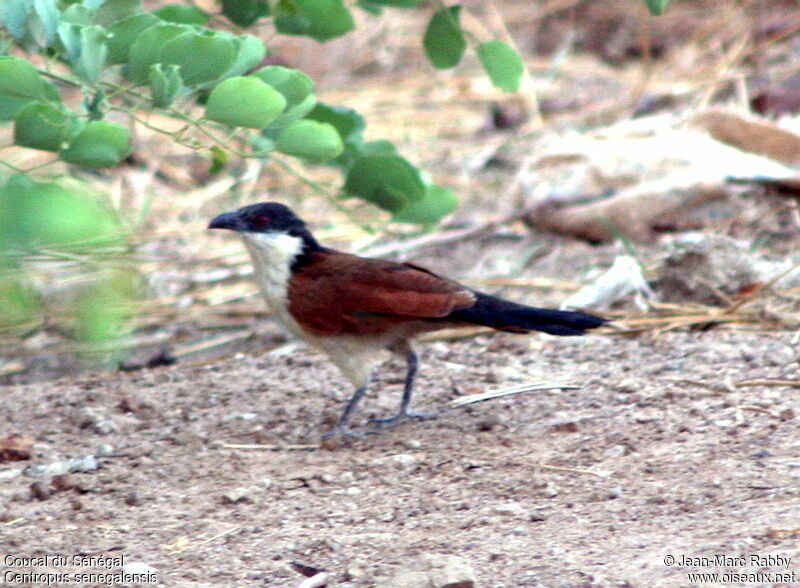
408 390
341 428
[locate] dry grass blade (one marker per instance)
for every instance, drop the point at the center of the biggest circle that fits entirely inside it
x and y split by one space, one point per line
254 446
768 382
472 398
545 466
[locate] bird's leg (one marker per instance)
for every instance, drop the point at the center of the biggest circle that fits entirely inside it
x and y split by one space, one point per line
341 429
405 404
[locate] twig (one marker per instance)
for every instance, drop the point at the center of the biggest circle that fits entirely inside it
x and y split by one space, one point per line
249 446
443 238
768 382
472 398
545 466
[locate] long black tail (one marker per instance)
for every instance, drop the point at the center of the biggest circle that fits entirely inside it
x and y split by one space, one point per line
505 315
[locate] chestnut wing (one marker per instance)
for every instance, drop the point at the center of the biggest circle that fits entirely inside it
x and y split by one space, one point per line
339 293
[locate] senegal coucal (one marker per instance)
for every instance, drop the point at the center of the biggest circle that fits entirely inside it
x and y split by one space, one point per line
353 307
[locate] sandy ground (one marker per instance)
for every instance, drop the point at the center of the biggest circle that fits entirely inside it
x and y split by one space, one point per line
661 455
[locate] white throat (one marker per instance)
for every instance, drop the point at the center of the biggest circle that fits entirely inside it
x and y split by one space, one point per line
273 255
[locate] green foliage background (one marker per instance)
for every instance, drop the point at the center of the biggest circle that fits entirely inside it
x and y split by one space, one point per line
204 70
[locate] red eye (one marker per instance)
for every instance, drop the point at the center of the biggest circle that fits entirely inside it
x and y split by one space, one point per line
262 220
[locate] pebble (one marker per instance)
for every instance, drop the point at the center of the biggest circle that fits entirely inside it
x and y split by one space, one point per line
236 495
132 498
104 450
550 491
40 491
510 509
63 482
435 570
399 461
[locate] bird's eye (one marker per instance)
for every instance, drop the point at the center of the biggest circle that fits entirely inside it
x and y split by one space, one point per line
262 220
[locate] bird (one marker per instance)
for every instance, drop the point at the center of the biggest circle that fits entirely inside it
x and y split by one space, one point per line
353 307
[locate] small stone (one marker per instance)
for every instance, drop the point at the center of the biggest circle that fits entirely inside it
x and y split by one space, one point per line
9 474
40 491
537 516
8 515
353 491
104 450
411 443
787 414
550 491
510 509
399 461
236 495
76 503
569 427
63 482
434 570
615 451
83 464
347 478
132 498
627 385
614 493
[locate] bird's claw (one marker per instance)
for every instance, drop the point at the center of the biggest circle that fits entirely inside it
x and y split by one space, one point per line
404 416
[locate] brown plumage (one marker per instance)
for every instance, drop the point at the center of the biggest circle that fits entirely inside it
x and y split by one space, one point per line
336 293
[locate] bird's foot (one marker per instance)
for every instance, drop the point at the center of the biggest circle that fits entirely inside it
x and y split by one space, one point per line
405 415
343 432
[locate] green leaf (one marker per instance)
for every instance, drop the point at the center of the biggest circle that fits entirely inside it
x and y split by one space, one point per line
93 54
219 159
49 15
44 126
49 215
104 308
370 7
319 19
502 63
14 16
19 303
397 3
70 36
182 14
202 57
100 144
20 84
388 181
124 33
147 48
113 10
249 53
437 203
165 84
77 14
350 126
444 40
656 7
295 86
311 140
379 147
244 102
245 12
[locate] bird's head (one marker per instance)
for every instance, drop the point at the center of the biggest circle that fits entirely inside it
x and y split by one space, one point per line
265 217
270 228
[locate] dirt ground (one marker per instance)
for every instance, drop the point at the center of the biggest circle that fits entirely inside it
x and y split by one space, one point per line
657 454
